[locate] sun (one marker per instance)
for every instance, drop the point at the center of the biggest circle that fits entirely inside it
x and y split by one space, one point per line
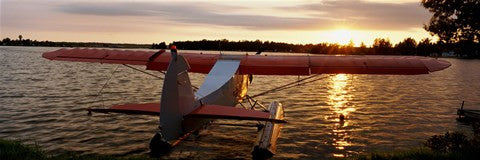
341 36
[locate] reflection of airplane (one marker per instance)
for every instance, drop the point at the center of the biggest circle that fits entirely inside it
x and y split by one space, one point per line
183 111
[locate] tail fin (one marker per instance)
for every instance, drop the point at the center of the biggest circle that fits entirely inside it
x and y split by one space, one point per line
177 97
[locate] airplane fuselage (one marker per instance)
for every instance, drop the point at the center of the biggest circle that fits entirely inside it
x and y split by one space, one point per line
222 86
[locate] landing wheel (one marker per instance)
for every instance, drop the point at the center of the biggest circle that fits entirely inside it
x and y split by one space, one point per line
260 127
158 146
196 134
261 154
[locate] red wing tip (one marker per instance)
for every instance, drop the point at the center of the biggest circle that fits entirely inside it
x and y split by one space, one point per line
434 65
50 55
445 63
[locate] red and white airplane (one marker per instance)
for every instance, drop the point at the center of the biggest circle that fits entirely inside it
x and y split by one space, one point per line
182 111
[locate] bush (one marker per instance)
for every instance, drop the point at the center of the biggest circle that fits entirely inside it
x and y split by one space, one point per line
455 143
451 146
16 150
450 142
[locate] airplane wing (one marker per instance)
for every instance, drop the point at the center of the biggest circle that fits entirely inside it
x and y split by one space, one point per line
101 56
262 64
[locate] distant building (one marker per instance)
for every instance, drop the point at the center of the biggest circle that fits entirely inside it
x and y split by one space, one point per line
449 54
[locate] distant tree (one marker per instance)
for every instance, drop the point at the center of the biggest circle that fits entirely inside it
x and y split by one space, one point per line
350 44
27 42
382 46
20 37
162 45
258 45
320 48
362 49
349 48
6 41
407 47
454 20
334 49
425 47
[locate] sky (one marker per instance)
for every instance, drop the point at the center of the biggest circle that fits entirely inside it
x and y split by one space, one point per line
149 21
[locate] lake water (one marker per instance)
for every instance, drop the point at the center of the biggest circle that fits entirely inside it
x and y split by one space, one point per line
44 102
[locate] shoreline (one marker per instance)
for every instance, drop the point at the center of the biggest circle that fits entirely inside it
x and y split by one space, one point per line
423 48
454 57
456 146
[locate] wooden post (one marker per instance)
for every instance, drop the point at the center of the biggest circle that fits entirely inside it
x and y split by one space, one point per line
460 112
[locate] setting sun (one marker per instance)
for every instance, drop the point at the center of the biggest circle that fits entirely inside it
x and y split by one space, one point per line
340 36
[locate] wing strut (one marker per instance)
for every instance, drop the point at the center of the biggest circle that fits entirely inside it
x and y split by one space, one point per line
103 87
292 84
126 65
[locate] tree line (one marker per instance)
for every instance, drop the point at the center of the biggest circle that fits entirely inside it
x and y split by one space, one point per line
28 42
381 46
456 24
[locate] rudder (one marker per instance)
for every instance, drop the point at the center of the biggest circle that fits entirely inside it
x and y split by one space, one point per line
177 97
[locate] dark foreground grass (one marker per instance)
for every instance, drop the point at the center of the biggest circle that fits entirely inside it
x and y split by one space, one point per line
417 154
451 146
16 150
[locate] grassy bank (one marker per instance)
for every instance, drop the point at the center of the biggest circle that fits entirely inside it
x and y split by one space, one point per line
16 150
420 153
450 146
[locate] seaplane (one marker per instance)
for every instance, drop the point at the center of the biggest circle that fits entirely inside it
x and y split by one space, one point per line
184 109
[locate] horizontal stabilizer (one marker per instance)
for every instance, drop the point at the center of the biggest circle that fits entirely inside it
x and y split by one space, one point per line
227 112
142 109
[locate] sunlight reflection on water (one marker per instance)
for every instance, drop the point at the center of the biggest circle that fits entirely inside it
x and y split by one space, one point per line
338 99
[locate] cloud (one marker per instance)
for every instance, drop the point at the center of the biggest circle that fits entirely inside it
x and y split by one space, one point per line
142 16
32 16
200 13
322 15
371 15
